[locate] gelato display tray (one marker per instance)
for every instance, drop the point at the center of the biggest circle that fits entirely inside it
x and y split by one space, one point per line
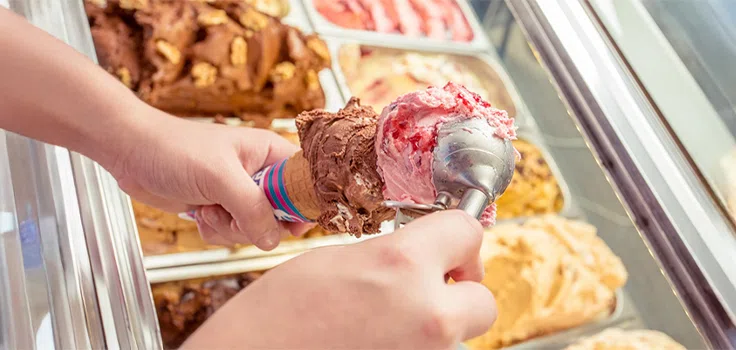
249 251
296 16
538 176
180 273
398 69
186 297
619 165
621 313
479 42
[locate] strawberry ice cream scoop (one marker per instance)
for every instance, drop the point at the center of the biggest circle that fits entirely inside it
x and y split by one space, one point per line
444 146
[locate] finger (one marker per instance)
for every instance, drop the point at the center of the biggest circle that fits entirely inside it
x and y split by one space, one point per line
475 306
220 221
449 239
208 233
143 196
298 229
272 148
250 209
469 272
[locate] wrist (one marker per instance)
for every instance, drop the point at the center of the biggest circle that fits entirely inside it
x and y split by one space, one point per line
126 127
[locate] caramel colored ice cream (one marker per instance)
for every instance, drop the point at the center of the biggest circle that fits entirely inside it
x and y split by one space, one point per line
165 233
377 76
341 152
183 306
197 58
293 137
618 339
547 275
533 189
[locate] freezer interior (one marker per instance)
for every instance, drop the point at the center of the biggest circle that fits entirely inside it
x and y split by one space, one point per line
594 272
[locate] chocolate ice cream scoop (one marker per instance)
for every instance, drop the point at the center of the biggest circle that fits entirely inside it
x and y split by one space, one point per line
340 150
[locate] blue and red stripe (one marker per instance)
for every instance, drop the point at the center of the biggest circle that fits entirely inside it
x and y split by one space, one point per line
273 186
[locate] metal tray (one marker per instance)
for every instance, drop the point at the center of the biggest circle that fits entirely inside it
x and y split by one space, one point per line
569 207
203 257
180 273
479 43
480 62
297 17
225 261
559 340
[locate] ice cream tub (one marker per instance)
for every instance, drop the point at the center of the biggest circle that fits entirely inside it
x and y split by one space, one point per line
358 69
457 13
556 280
247 252
169 241
185 297
558 340
537 187
215 269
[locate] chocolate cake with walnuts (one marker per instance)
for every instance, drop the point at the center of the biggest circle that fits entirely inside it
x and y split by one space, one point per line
203 58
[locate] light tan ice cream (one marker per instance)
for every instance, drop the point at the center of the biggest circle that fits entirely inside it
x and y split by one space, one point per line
547 275
618 339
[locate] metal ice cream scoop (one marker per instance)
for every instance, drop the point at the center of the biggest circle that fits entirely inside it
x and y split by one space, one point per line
472 167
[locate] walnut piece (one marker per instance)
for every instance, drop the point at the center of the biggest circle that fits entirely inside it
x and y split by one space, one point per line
319 47
239 52
213 18
134 4
204 74
124 75
273 8
98 3
169 51
253 20
312 80
282 71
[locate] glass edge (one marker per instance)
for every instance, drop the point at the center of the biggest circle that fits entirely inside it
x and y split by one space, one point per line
126 310
567 40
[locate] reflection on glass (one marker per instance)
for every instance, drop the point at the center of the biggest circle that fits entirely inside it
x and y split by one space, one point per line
682 52
703 33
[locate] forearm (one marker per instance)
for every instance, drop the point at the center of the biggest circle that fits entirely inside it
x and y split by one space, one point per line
51 92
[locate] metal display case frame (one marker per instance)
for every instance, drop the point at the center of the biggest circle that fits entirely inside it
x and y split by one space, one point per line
664 197
99 292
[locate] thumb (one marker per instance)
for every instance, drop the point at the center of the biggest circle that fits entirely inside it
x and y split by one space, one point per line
251 211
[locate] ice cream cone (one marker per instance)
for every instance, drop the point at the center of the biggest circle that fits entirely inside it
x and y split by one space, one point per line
300 186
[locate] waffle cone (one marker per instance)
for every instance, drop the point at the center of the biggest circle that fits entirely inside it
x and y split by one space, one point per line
300 186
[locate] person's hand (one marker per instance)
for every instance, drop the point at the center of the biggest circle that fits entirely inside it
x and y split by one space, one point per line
179 165
386 293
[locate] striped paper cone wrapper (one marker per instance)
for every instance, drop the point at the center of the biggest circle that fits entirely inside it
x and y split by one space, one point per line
289 187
